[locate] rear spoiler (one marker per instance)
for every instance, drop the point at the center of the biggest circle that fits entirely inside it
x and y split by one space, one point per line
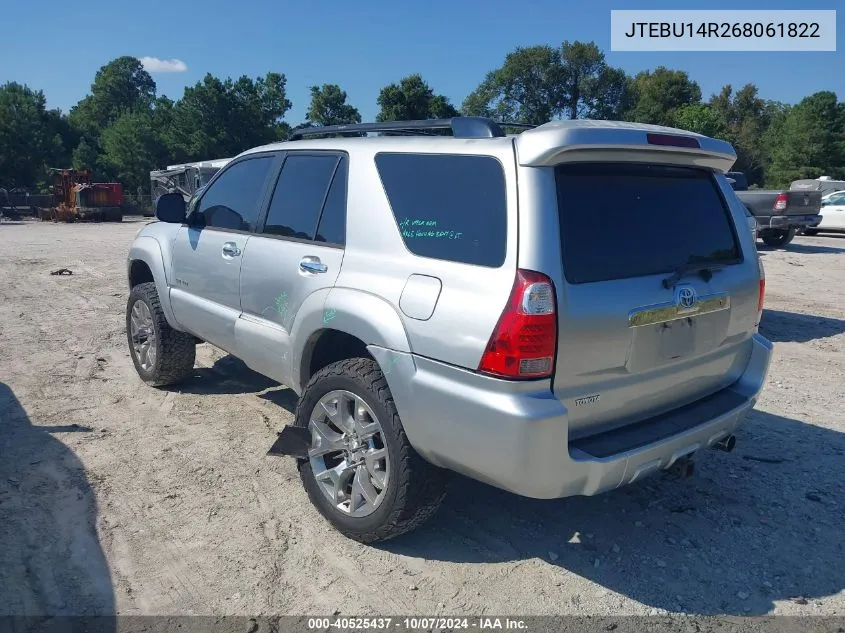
586 140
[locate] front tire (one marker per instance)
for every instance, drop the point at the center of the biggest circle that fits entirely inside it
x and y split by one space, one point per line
362 474
777 238
162 355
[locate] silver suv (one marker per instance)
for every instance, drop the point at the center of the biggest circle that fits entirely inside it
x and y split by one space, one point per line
560 311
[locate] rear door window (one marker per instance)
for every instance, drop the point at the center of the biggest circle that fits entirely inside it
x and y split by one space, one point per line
620 221
332 226
449 207
299 195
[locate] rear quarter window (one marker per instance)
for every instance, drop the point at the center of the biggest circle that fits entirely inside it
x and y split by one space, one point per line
448 207
620 221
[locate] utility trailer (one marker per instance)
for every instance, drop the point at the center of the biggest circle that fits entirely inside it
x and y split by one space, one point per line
185 178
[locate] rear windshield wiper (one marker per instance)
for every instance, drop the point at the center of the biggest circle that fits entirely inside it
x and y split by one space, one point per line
705 270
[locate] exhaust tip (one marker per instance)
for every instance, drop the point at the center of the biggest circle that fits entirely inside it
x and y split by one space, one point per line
726 444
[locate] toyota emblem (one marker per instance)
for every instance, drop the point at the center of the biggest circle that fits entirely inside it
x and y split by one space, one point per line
686 298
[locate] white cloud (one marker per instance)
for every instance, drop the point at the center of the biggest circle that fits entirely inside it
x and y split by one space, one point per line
156 65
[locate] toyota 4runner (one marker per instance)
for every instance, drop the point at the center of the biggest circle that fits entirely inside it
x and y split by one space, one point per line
560 311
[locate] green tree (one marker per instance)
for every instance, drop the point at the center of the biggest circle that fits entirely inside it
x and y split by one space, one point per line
609 95
86 156
121 86
702 119
218 118
591 88
657 94
746 118
329 107
529 88
808 141
539 83
162 114
30 136
412 99
131 149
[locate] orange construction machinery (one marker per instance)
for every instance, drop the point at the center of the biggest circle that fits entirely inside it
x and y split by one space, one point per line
78 199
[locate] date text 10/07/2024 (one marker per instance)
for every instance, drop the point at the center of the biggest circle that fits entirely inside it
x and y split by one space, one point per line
417 623
412 228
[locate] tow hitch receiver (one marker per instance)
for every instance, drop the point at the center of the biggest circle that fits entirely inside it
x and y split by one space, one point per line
293 441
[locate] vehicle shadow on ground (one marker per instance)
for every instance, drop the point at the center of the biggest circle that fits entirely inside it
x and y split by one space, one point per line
781 327
748 528
51 561
230 375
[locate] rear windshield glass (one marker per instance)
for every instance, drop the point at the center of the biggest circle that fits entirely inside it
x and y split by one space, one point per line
447 206
621 220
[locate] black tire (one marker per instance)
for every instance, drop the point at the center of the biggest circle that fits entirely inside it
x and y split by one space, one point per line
811 232
777 238
175 351
415 489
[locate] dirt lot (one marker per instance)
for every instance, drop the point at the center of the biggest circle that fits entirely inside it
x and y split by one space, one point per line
115 497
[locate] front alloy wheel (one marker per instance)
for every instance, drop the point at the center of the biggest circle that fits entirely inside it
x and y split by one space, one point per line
161 355
143 335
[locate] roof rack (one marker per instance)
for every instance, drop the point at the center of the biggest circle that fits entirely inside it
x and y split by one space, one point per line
461 126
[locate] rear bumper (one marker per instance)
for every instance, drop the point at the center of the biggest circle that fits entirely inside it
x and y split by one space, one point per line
515 435
789 221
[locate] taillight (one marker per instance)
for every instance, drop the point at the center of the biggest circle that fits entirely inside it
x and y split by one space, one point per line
523 343
781 202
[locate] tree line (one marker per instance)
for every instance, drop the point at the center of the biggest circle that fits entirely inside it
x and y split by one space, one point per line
123 128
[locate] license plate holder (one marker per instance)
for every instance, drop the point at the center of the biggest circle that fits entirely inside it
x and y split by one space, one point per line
677 338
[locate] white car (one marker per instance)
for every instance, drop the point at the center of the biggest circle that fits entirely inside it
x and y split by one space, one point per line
833 214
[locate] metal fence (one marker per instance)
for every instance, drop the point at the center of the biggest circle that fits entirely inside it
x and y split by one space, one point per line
18 199
137 205
132 204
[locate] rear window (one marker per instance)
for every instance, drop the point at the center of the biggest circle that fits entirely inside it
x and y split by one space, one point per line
621 220
449 207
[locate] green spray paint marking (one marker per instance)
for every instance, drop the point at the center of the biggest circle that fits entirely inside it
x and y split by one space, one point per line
328 315
441 235
411 227
409 222
280 305
393 361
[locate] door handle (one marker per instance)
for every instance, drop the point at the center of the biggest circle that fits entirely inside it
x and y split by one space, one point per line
230 249
312 265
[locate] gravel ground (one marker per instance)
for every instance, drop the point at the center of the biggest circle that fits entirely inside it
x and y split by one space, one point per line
119 498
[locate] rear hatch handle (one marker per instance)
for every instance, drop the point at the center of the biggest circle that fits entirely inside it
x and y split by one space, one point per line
705 270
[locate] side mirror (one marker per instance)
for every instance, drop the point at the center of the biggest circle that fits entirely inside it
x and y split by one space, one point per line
170 207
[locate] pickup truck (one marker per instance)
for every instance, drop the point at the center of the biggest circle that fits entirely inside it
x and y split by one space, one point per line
780 214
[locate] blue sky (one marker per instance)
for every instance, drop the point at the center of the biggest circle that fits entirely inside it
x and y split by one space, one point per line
364 46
